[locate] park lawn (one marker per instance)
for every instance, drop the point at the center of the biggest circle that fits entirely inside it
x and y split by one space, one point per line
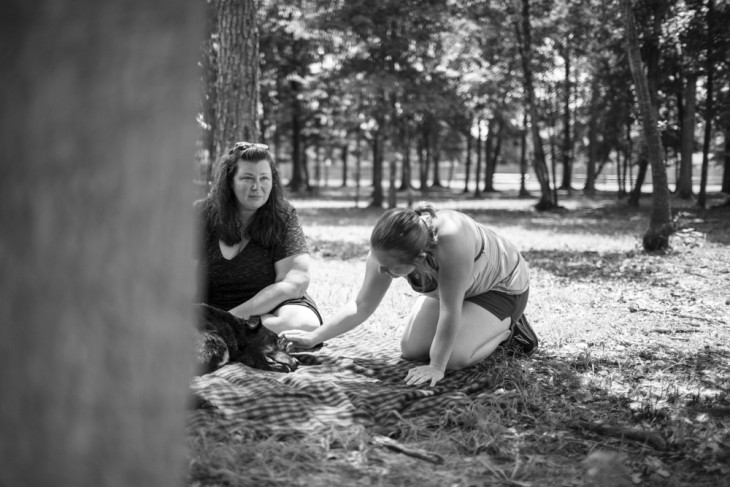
629 386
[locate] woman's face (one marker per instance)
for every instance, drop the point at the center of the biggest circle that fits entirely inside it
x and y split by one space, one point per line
392 263
252 184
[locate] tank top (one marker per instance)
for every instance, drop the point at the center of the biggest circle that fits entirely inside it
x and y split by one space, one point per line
498 266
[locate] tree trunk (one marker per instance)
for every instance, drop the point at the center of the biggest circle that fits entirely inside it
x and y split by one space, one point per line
406 165
660 224
709 105
553 152
524 40
467 169
237 85
393 167
477 191
567 140
344 149
684 184
377 146
488 157
298 181
405 183
358 166
590 185
726 168
635 194
423 160
620 178
317 167
523 158
436 157
497 148
97 129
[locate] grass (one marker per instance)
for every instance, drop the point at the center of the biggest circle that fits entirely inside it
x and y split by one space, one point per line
631 379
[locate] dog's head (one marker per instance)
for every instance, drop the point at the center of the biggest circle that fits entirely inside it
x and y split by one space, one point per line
261 348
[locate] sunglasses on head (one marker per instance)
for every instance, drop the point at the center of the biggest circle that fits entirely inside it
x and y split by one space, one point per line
242 146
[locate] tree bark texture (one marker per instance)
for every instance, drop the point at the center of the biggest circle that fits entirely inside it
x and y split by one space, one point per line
539 165
237 85
660 224
684 185
97 138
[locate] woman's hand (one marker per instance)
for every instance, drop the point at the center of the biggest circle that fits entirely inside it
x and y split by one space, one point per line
424 373
298 338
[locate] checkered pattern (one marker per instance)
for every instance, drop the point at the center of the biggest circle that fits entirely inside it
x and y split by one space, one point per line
355 379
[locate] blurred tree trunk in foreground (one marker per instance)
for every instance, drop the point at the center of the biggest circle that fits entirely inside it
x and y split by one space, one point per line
97 130
660 224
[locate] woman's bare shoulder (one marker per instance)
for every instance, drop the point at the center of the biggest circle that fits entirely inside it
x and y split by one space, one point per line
450 223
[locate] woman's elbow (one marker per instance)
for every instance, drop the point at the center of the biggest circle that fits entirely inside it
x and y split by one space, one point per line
299 286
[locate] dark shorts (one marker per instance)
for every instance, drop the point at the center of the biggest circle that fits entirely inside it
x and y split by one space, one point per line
305 301
502 305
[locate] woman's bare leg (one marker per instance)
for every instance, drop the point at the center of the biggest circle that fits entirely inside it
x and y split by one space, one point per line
480 332
291 317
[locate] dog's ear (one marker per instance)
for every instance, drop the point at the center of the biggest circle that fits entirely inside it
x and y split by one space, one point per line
253 323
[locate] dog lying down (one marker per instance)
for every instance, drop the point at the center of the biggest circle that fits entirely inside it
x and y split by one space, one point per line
225 338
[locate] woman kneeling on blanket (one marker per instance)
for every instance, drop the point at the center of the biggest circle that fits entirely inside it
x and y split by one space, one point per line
473 284
253 257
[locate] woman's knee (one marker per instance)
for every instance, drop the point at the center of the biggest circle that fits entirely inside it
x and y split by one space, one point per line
411 350
292 318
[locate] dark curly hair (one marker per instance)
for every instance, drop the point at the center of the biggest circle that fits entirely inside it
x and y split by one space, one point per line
221 205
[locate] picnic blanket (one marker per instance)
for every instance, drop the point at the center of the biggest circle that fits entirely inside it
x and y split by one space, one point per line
355 379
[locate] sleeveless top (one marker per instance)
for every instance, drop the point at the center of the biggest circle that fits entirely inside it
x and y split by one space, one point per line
498 266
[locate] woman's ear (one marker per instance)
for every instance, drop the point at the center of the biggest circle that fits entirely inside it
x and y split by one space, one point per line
420 257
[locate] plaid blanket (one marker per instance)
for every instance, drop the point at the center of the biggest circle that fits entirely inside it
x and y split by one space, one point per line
355 379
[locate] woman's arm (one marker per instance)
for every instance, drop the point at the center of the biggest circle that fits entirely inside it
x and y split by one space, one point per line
455 259
292 280
351 314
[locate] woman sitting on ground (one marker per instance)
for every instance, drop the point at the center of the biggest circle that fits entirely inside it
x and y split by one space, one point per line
474 286
253 257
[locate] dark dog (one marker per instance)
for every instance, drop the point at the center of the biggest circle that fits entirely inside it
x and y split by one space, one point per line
226 338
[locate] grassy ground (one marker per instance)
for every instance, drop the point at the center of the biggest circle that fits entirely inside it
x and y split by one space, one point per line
629 387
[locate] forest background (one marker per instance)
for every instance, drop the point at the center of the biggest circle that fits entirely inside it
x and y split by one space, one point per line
417 96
